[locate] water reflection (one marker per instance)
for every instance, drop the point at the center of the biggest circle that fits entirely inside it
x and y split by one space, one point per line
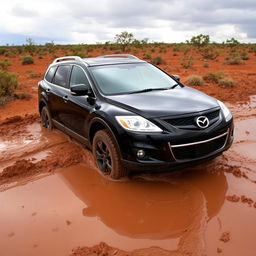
155 206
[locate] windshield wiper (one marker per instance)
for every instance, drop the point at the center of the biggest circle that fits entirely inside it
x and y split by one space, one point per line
174 86
154 89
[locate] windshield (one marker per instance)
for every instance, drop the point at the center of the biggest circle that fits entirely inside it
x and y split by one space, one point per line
130 78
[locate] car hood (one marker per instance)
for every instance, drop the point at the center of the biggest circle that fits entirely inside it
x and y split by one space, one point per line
181 100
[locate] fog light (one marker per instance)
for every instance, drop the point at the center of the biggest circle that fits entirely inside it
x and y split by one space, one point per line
140 153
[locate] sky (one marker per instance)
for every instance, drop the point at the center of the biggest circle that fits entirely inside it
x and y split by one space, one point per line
98 21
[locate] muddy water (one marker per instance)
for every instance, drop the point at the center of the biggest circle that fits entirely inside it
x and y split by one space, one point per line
186 212
79 207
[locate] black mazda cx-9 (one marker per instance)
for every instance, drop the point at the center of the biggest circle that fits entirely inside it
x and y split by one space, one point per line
132 115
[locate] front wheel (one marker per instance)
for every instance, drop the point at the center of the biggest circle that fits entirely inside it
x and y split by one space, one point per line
107 156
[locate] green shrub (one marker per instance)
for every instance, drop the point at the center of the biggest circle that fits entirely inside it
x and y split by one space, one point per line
26 60
237 60
194 80
209 52
22 96
2 50
118 51
214 76
35 75
8 83
147 56
244 56
162 49
82 54
226 82
232 42
199 40
157 60
9 54
182 48
4 64
30 46
187 62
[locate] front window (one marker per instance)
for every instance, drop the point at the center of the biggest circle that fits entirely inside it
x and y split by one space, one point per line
78 76
130 78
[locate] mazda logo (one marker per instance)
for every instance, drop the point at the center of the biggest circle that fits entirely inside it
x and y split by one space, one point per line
202 122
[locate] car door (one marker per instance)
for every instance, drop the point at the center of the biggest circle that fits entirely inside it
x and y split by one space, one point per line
59 89
77 107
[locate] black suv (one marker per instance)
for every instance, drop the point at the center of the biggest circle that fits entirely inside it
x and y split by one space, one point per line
133 115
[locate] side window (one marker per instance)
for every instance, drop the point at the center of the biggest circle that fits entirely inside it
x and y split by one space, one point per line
78 76
50 74
62 76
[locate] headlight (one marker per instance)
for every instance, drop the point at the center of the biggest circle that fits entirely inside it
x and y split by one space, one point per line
225 110
137 123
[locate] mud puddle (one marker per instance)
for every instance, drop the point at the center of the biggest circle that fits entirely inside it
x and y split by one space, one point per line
183 213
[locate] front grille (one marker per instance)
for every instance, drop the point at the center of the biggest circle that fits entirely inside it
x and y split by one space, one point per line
189 122
197 150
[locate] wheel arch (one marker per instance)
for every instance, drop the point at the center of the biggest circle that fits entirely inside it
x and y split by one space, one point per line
42 103
97 124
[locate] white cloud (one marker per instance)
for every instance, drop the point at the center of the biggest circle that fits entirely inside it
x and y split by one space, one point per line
88 21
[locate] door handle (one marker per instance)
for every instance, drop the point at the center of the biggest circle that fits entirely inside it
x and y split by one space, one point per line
65 98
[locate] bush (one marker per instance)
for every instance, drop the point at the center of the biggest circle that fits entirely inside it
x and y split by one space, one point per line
209 52
232 42
8 82
35 75
226 82
2 50
200 40
194 80
237 60
26 60
4 64
158 60
244 56
147 56
187 62
22 96
214 76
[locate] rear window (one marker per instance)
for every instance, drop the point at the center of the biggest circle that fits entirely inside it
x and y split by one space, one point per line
62 76
50 74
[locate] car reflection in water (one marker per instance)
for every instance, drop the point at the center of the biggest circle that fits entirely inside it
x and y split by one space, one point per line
151 206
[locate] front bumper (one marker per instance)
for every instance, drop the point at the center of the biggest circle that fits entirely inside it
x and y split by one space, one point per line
174 151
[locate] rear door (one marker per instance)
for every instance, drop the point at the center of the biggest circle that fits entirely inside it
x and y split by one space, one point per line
59 90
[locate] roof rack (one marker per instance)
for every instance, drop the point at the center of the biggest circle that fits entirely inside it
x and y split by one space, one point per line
65 58
129 56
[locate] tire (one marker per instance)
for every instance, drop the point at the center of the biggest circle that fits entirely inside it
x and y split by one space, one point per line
107 156
46 119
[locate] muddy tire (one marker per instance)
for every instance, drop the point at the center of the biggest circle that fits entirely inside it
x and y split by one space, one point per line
107 156
46 119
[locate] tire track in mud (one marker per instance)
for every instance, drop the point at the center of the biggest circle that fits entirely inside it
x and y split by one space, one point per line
27 150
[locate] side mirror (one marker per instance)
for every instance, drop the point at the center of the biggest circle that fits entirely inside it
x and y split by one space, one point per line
176 77
80 89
